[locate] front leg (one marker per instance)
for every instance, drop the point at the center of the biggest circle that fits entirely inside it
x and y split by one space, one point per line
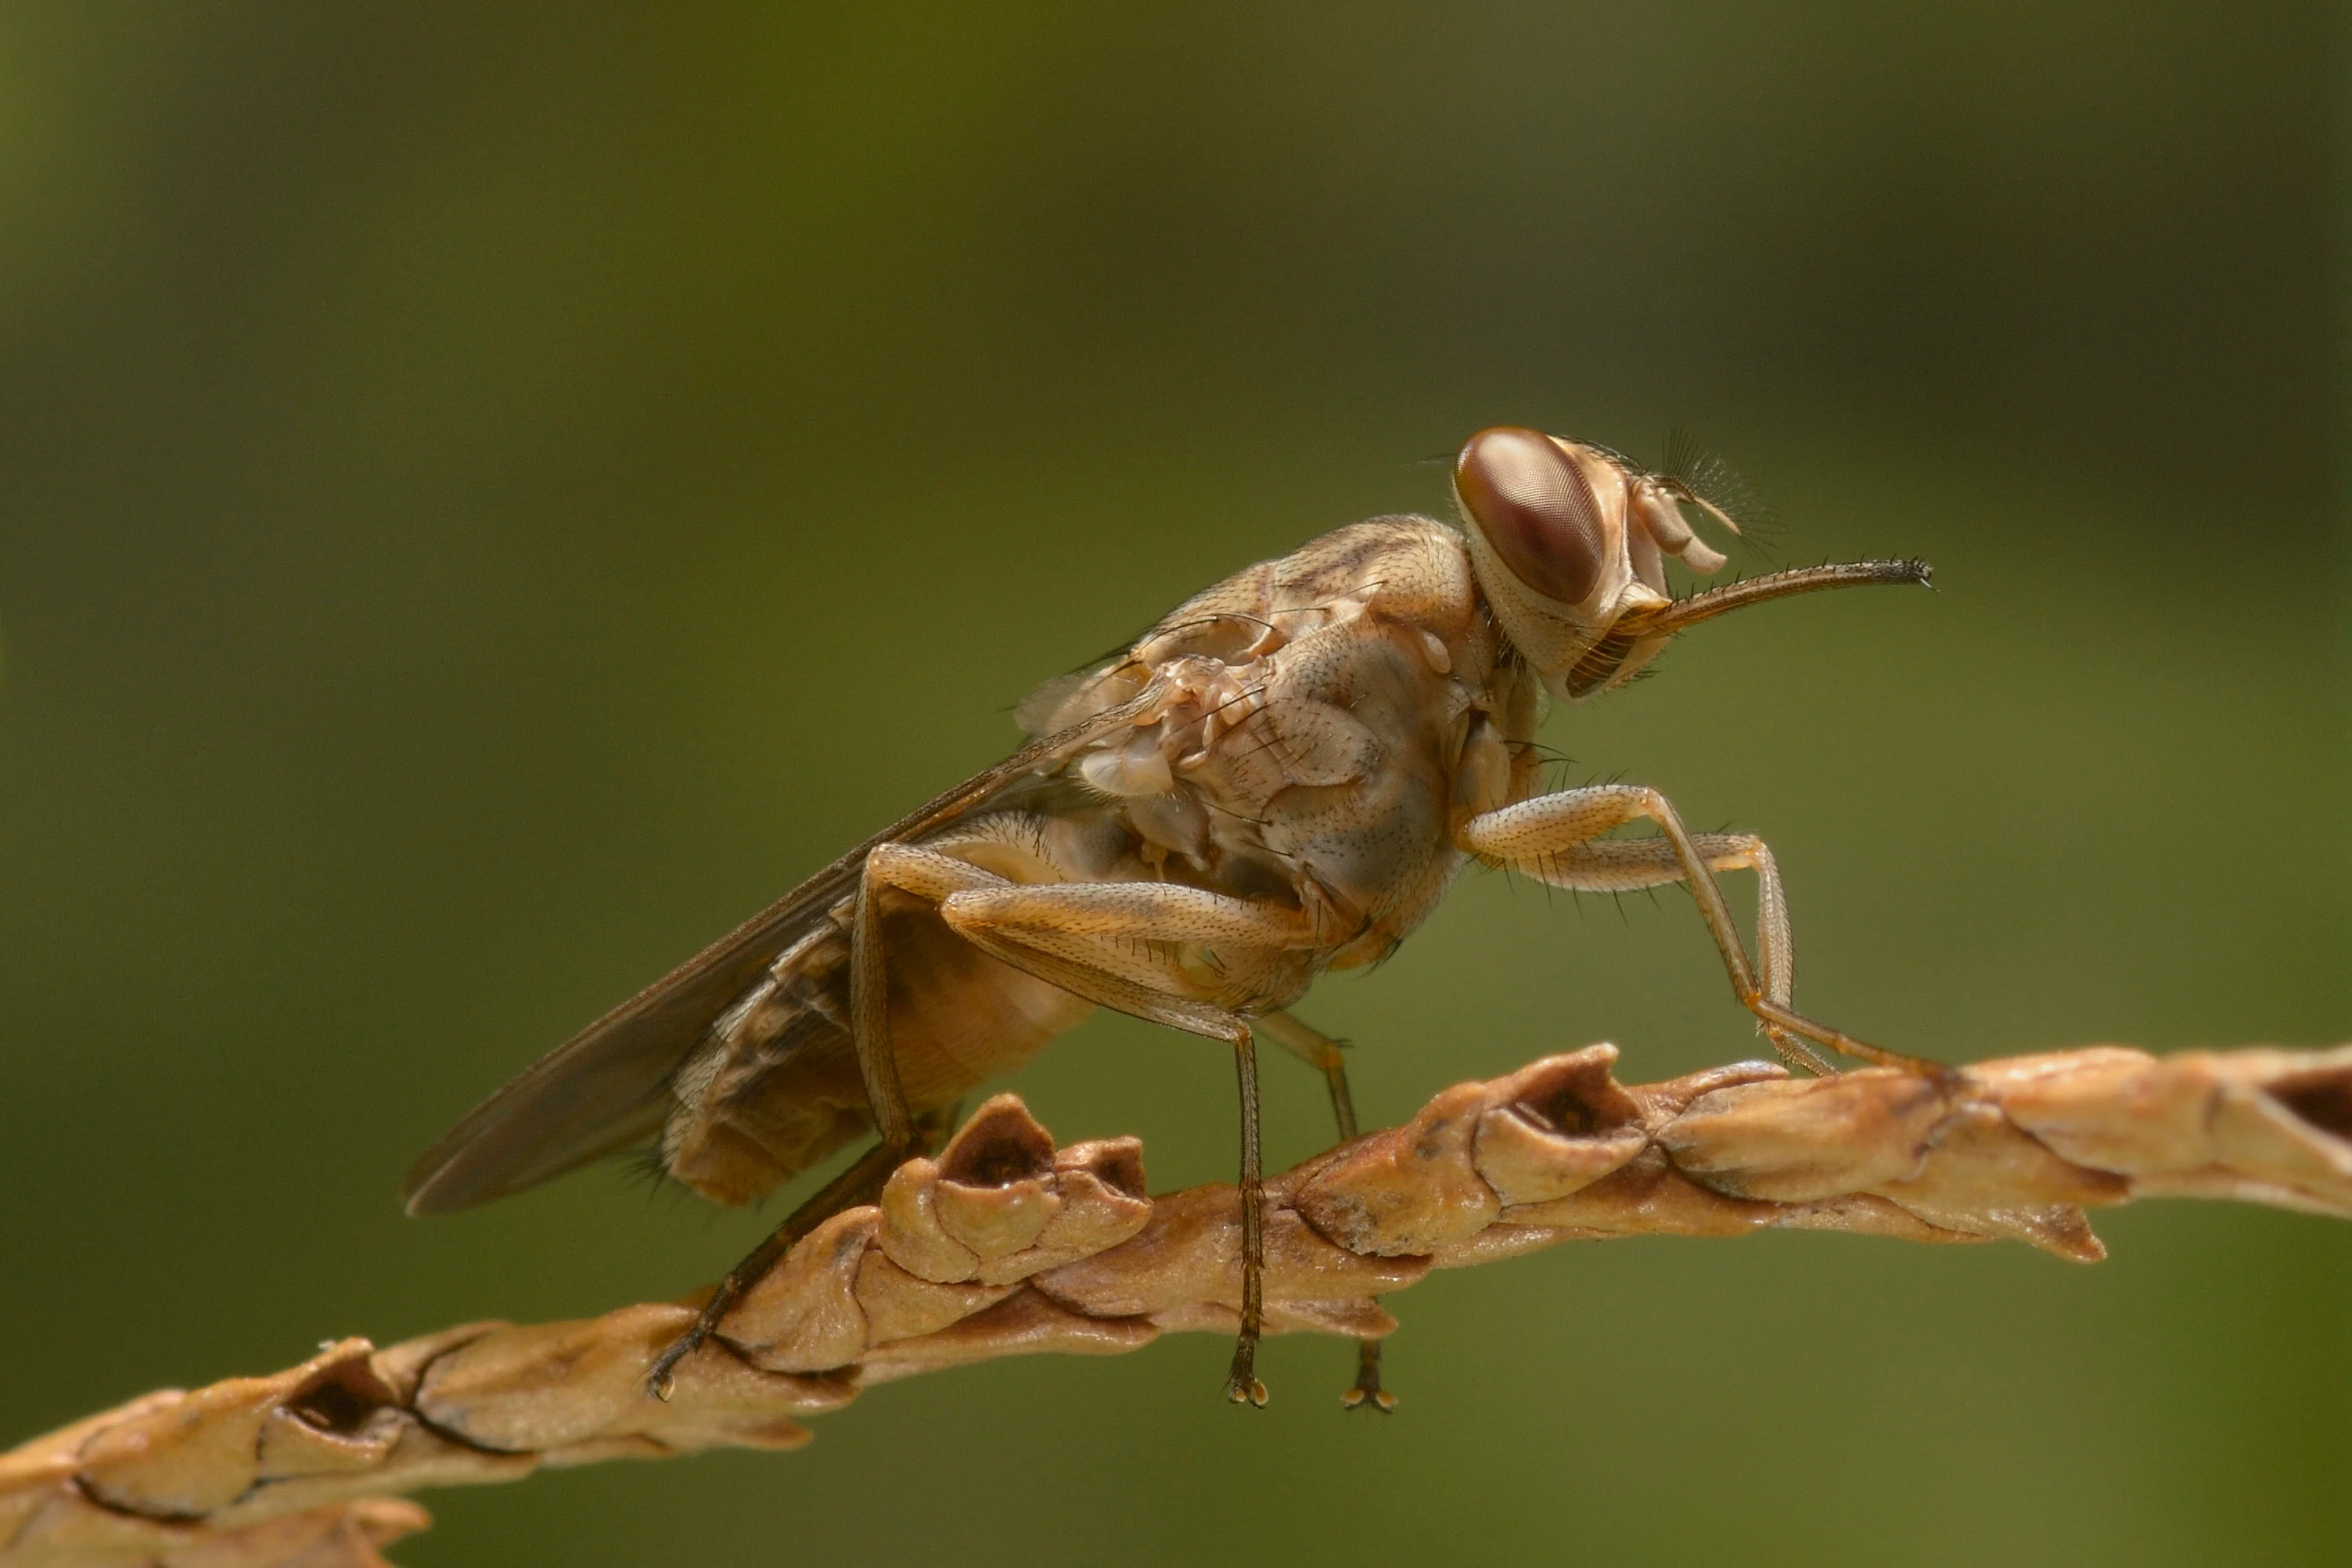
1626 865
1554 837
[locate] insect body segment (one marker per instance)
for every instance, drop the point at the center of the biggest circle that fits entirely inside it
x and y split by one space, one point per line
1280 778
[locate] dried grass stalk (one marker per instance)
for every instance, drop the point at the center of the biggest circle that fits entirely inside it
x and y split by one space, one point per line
1005 1245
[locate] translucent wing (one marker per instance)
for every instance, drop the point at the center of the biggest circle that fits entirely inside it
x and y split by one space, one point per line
1071 699
603 1091
1036 712
605 1088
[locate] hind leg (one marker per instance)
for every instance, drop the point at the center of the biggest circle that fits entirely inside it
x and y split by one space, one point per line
917 872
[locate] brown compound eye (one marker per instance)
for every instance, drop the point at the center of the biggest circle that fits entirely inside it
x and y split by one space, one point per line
1532 502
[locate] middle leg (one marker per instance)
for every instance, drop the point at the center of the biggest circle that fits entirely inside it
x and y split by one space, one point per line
1321 1052
1126 946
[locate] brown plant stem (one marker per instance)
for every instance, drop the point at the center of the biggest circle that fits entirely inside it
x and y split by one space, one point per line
1005 1246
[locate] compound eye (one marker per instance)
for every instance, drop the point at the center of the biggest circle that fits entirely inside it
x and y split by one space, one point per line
1532 502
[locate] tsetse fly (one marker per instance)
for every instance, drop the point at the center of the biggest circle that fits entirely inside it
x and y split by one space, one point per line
1280 778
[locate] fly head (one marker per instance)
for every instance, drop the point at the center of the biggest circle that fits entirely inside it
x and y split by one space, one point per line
1569 541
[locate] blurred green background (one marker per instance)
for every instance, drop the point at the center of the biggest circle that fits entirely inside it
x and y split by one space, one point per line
491 495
